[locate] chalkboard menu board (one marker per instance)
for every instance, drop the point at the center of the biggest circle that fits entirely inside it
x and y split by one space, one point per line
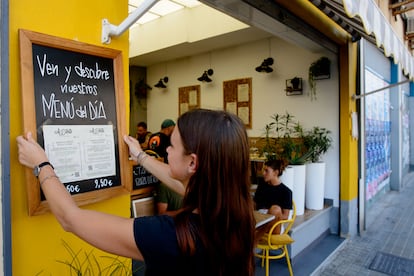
73 103
142 178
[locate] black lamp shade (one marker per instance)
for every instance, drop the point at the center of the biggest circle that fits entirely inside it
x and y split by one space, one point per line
265 66
160 83
205 76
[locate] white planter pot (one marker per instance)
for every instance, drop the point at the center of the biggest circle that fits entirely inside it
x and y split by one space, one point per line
299 181
315 185
287 177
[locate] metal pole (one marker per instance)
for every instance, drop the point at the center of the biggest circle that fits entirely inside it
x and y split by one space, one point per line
357 97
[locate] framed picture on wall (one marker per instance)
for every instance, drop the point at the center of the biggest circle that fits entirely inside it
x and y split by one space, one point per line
143 207
188 98
237 99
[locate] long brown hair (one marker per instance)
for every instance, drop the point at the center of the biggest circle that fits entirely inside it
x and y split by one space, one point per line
219 190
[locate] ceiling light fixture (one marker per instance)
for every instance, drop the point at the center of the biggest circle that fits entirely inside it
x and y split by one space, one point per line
205 76
161 82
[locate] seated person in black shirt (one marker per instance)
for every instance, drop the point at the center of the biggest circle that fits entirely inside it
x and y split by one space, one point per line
160 141
143 135
273 197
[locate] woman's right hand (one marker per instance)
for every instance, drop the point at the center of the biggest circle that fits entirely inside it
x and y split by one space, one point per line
133 145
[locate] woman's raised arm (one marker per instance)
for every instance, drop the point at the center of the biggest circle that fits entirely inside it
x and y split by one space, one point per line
110 233
159 169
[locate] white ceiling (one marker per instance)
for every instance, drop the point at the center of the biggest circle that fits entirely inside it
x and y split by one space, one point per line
262 26
161 8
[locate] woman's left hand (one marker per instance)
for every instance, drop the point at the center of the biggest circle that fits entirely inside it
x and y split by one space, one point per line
31 153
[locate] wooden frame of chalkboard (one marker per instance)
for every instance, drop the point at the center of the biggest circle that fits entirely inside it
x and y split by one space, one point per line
73 103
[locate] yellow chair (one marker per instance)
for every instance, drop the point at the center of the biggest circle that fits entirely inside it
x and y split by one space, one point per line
273 241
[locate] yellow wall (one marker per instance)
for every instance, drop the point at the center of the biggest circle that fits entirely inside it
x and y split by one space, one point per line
37 241
349 146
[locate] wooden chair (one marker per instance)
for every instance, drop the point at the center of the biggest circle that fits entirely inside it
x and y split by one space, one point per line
272 241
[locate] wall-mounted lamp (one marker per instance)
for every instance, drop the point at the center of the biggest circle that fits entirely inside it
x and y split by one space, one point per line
161 82
265 66
205 76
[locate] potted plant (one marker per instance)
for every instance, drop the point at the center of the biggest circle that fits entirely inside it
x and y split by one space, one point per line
269 149
319 69
295 83
318 141
294 148
141 89
290 141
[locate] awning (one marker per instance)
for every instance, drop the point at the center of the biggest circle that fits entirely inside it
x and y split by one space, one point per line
374 25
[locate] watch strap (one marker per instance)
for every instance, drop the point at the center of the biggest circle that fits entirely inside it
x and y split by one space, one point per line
45 164
36 169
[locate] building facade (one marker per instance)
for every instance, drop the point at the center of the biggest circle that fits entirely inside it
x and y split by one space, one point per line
369 51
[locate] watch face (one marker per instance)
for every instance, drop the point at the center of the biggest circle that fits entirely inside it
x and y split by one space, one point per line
36 171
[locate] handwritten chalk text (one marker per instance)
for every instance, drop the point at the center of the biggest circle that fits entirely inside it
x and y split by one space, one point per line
57 109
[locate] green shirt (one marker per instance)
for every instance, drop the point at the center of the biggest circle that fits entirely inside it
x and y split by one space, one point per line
166 195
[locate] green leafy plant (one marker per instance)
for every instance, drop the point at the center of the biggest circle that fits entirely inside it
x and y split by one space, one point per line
275 132
269 149
284 140
318 140
283 124
321 67
87 264
294 149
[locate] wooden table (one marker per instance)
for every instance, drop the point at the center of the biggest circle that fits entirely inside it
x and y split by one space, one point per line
262 223
262 219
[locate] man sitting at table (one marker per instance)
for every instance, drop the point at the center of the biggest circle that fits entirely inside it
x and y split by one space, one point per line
168 201
273 197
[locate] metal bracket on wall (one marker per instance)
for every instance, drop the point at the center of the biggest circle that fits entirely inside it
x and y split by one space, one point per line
109 30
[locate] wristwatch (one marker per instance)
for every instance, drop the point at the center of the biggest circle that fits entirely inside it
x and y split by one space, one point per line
36 169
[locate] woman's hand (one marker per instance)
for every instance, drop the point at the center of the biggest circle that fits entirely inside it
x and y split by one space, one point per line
157 168
134 146
31 153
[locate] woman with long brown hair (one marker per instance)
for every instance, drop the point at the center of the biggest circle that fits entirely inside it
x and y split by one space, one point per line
272 196
213 234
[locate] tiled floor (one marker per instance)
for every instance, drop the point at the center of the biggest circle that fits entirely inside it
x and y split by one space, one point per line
305 263
390 230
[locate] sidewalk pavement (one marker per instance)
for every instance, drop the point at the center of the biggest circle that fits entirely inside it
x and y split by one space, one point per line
387 245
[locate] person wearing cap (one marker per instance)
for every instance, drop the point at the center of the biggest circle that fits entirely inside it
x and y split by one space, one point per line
167 201
160 141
